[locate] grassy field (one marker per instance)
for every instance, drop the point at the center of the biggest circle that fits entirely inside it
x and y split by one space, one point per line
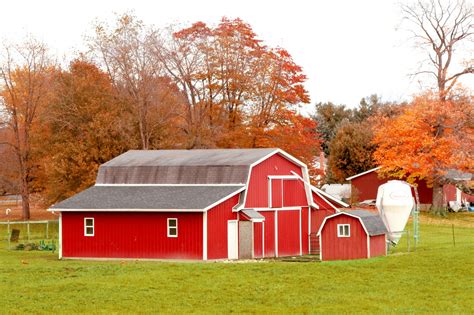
437 277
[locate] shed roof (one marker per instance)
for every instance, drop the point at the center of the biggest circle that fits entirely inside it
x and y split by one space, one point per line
371 221
135 198
209 166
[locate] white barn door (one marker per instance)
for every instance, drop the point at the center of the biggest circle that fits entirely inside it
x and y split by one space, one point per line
233 239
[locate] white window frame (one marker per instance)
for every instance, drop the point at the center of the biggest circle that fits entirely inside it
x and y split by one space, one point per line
339 234
89 226
172 227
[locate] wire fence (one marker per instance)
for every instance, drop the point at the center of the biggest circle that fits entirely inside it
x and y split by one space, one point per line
13 233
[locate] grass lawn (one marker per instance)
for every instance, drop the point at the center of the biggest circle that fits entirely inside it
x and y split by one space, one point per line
438 277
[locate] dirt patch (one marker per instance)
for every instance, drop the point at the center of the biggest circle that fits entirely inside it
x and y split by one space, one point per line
36 213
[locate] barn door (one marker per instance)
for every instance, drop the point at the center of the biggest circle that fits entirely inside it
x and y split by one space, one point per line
232 239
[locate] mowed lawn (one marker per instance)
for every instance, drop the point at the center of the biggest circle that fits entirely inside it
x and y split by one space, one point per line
438 277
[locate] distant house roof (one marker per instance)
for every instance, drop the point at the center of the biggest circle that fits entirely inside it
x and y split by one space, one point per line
323 194
216 166
147 198
363 173
371 221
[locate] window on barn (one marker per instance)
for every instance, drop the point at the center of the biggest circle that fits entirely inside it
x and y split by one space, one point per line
172 227
88 226
343 230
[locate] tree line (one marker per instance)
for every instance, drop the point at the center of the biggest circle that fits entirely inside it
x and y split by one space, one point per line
220 86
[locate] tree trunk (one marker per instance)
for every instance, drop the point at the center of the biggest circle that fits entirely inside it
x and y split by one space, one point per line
438 206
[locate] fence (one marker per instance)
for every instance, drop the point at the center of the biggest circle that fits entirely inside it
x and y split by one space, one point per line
30 230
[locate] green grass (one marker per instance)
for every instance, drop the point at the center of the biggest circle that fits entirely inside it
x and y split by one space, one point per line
437 277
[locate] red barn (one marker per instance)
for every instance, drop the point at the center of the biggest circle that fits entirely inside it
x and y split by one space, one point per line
195 204
352 235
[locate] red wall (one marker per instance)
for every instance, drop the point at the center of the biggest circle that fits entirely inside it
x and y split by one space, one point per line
367 186
257 193
305 230
217 218
269 233
378 245
132 235
342 248
294 194
450 194
288 233
257 239
277 193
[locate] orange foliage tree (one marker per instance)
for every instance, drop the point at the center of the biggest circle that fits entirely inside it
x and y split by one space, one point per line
427 140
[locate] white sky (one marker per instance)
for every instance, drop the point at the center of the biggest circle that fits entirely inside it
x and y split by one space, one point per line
348 49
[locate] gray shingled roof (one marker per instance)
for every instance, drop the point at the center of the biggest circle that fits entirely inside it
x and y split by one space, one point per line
216 166
372 221
146 197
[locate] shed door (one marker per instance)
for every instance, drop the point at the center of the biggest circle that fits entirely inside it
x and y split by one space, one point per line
232 239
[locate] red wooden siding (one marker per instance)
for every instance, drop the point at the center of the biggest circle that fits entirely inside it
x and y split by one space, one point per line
377 245
217 218
305 230
257 191
323 205
257 239
366 187
277 193
269 233
132 235
294 194
342 248
288 233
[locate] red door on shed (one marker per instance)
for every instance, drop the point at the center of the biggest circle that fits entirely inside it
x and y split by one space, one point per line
258 239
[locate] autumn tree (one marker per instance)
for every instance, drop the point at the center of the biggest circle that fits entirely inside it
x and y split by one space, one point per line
329 118
440 28
427 140
125 51
25 72
87 125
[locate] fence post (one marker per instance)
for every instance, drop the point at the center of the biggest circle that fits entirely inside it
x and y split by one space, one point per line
47 228
28 229
8 234
454 239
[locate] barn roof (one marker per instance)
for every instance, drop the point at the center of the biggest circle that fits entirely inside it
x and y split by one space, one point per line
371 221
130 198
209 166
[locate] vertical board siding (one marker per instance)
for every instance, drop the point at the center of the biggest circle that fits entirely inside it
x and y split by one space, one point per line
377 245
217 218
322 204
257 191
294 194
132 235
288 233
269 233
304 230
342 248
277 193
257 239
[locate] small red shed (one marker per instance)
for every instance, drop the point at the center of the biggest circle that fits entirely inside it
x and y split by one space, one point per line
195 204
352 235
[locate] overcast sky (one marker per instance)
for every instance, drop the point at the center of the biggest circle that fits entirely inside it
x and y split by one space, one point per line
348 49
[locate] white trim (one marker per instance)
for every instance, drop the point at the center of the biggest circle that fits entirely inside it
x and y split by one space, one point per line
276 233
269 187
89 226
329 203
301 236
166 185
238 241
286 177
363 173
278 209
253 241
127 210
204 236
341 213
263 239
60 245
339 230
368 246
307 187
172 227
322 192
320 248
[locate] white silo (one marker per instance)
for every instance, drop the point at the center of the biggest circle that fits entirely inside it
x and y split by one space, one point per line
395 203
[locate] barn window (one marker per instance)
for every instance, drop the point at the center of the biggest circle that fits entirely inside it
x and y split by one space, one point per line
172 227
88 226
343 230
